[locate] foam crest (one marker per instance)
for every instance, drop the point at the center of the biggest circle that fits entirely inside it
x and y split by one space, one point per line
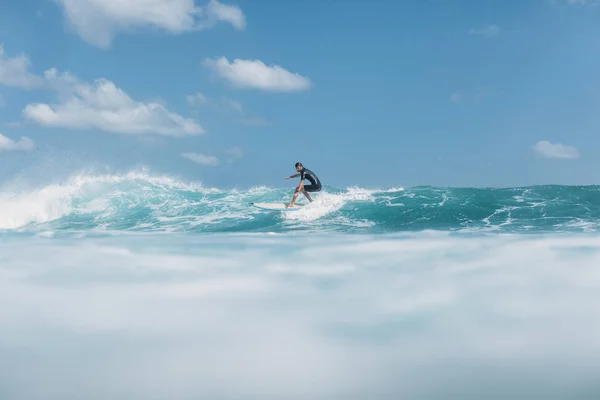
141 176
20 209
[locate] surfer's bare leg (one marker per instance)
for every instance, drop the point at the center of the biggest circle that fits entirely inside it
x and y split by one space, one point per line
294 198
304 192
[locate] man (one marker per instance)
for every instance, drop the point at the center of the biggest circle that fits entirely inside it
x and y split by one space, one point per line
304 173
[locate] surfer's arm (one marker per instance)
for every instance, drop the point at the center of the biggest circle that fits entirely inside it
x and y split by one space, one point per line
292 176
300 186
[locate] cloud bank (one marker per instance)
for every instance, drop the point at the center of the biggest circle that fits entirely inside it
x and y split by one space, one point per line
102 105
98 105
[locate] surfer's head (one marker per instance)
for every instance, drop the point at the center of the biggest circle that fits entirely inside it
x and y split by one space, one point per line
299 166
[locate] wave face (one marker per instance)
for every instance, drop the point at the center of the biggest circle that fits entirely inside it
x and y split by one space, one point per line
138 201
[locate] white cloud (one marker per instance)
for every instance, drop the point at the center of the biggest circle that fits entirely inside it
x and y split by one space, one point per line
254 74
551 150
103 106
14 71
489 31
24 144
201 159
99 21
99 105
216 11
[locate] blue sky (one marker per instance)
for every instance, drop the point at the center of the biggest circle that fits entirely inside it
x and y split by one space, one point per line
371 94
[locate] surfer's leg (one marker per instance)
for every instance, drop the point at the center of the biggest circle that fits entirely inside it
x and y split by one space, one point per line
296 193
310 188
305 193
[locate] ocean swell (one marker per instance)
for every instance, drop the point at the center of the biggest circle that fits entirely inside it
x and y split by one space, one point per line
139 201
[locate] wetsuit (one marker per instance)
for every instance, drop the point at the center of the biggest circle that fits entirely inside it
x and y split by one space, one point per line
315 184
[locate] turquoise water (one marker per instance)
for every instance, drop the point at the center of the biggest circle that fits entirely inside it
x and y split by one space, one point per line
144 203
148 287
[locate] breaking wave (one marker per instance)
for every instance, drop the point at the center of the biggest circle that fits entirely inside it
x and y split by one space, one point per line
138 201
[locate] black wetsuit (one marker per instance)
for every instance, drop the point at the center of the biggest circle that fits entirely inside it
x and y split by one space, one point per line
315 184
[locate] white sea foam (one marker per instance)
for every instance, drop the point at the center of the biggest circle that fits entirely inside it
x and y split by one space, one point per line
316 316
46 204
21 204
327 203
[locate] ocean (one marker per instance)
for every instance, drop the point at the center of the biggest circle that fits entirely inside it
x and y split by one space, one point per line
139 286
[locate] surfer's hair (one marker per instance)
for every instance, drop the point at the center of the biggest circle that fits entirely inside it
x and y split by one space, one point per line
298 164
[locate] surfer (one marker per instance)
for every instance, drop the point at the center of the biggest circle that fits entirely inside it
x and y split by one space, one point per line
305 173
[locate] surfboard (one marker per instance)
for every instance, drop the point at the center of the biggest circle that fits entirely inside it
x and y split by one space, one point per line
277 206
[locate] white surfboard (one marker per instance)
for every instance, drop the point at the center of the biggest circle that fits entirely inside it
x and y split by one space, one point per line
277 206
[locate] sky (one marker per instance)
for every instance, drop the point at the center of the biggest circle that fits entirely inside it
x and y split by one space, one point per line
371 94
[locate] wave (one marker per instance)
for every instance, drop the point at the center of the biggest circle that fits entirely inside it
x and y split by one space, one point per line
139 201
